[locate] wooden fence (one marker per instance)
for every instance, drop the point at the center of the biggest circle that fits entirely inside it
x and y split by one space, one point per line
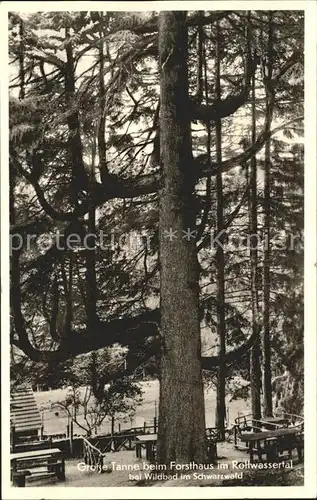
92 455
95 447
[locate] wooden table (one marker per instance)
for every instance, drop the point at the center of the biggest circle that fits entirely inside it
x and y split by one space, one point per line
273 442
52 460
147 441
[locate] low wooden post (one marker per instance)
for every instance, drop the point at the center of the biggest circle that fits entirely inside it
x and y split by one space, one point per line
71 435
18 478
130 443
61 473
138 449
212 450
259 450
148 446
13 438
101 464
251 451
155 425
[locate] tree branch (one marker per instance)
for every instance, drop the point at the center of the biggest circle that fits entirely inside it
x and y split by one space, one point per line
151 25
226 107
126 331
149 183
206 240
117 187
209 363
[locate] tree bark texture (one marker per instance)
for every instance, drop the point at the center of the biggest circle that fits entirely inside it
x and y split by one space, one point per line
181 432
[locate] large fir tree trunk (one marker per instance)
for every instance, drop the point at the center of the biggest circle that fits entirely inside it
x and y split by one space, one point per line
255 360
181 432
267 373
221 327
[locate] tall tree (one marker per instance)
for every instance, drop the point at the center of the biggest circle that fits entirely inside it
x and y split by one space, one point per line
255 361
181 387
267 372
221 325
56 192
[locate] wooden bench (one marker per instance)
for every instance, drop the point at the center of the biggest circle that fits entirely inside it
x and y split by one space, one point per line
37 463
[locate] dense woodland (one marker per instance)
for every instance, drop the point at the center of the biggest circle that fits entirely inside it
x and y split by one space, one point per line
178 138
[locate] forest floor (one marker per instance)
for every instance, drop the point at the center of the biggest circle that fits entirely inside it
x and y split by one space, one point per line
228 456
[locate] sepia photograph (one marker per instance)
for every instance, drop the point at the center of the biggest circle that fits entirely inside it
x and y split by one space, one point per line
155 200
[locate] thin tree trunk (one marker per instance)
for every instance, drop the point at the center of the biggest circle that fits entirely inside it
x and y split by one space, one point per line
200 61
79 174
102 119
91 271
21 61
267 373
16 297
255 363
181 432
221 327
91 295
68 291
91 251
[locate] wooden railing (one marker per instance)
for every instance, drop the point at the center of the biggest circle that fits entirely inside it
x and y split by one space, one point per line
116 442
243 419
292 417
213 433
249 426
92 455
